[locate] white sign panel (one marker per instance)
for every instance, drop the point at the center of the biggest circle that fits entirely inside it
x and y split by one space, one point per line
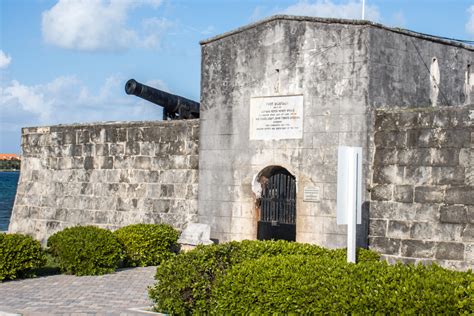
349 183
311 194
349 195
273 118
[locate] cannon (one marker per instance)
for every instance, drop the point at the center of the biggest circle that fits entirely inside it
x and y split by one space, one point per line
175 107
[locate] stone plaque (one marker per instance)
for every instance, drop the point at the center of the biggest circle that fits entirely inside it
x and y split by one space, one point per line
311 194
196 234
273 118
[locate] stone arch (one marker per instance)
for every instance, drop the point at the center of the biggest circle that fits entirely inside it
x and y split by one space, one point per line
275 201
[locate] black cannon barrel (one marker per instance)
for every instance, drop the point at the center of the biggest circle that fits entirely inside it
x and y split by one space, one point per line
174 106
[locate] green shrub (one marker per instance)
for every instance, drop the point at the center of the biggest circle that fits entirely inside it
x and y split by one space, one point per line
86 250
147 244
19 256
321 285
185 281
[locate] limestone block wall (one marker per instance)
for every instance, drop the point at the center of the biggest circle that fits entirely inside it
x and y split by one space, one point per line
326 64
422 196
107 174
342 69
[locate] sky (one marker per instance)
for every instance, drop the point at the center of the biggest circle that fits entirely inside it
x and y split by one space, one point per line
66 61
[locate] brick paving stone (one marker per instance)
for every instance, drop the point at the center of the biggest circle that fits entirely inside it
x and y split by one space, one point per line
106 295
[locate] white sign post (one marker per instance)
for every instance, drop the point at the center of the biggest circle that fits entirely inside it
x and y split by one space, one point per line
349 194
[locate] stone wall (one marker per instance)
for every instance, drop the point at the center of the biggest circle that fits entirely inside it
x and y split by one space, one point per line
107 174
422 196
325 63
407 69
342 69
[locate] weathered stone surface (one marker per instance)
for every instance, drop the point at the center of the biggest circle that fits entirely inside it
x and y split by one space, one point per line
403 193
460 195
450 251
382 210
417 175
388 175
429 194
390 139
398 229
414 157
448 175
417 248
95 184
378 228
469 253
436 138
444 157
385 156
427 212
453 214
468 233
436 231
382 192
470 214
196 234
436 164
385 245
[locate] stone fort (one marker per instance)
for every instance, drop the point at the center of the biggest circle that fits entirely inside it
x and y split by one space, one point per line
278 98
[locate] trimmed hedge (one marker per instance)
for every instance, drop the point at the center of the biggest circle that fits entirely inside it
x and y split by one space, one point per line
320 285
86 250
19 256
147 244
185 281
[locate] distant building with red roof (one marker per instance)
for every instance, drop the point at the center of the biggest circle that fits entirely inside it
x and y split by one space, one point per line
9 157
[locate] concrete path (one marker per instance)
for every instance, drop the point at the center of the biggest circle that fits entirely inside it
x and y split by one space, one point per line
119 293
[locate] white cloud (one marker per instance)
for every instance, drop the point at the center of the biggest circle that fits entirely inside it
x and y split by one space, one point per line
5 60
158 84
92 25
67 100
31 99
208 30
470 23
153 30
257 13
326 8
398 19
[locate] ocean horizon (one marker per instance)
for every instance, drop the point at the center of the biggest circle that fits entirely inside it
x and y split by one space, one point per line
8 185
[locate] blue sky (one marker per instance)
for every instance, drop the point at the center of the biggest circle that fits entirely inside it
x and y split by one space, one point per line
67 61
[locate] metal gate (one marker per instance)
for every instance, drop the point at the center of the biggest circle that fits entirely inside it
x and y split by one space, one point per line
278 207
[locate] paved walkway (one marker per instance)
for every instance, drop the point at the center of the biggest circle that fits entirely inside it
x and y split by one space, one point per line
111 294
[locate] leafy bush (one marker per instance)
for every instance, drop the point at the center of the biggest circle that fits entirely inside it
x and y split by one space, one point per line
19 256
321 285
185 282
147 244
86 250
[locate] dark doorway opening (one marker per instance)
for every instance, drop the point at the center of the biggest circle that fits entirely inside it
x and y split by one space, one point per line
277 205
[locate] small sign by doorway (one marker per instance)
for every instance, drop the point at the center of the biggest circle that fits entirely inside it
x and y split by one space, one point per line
311 194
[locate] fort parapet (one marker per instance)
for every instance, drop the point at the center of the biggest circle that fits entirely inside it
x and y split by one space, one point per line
107 174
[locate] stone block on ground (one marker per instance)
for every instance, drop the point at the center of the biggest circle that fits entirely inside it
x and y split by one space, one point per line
195 234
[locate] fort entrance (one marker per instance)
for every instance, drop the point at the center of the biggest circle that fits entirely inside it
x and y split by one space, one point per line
277 205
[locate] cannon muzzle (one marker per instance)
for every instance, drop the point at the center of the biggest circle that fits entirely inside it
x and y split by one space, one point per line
174 106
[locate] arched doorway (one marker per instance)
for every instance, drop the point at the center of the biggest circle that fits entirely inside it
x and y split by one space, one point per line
277 204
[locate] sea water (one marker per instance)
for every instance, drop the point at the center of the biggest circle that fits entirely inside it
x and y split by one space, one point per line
8 184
